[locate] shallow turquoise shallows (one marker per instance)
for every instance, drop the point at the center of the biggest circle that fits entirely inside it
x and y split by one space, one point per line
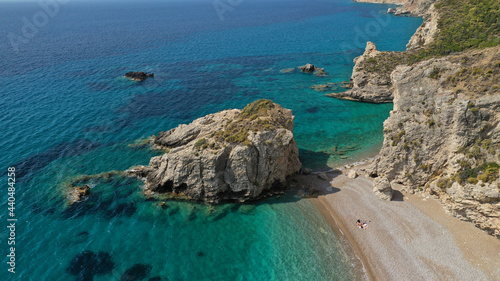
67 111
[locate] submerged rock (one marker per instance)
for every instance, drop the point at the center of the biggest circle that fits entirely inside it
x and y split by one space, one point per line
138 76
233 155
321 87
137 272
77 194
87 264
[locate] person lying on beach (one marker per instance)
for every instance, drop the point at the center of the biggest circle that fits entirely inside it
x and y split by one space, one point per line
361 225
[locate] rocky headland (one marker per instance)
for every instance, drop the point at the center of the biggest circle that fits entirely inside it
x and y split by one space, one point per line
443 135
234 155
367 86
370 80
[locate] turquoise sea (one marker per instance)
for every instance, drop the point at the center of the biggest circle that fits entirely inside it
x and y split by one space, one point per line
67 111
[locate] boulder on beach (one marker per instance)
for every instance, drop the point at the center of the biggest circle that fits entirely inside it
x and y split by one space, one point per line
352 174
382 188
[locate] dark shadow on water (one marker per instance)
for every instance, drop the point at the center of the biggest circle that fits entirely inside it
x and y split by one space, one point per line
137 272
113 201
34 163
397 196
314 160
312 110
88 264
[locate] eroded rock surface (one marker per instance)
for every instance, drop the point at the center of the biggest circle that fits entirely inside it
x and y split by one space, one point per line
233 155
382 188
443 135
367 86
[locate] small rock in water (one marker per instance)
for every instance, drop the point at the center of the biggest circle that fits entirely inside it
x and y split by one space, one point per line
310 68
79 193
307 68
246 209
138 76
321 88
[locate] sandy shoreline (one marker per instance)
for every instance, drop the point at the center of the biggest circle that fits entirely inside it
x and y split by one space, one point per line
409 238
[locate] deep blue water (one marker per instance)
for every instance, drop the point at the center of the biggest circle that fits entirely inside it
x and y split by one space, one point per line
67 111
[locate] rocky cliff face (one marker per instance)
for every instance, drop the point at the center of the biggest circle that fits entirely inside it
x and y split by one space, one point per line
382 1
426 31
233 155
413 7
370 79
443 135
418 7
367 86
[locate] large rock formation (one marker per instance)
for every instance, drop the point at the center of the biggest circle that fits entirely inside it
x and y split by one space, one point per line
370 77
443 135
426 31
383 189
367 86
233 155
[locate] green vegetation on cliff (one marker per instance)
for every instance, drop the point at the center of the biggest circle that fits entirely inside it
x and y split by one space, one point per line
260 115
465 25
462 24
